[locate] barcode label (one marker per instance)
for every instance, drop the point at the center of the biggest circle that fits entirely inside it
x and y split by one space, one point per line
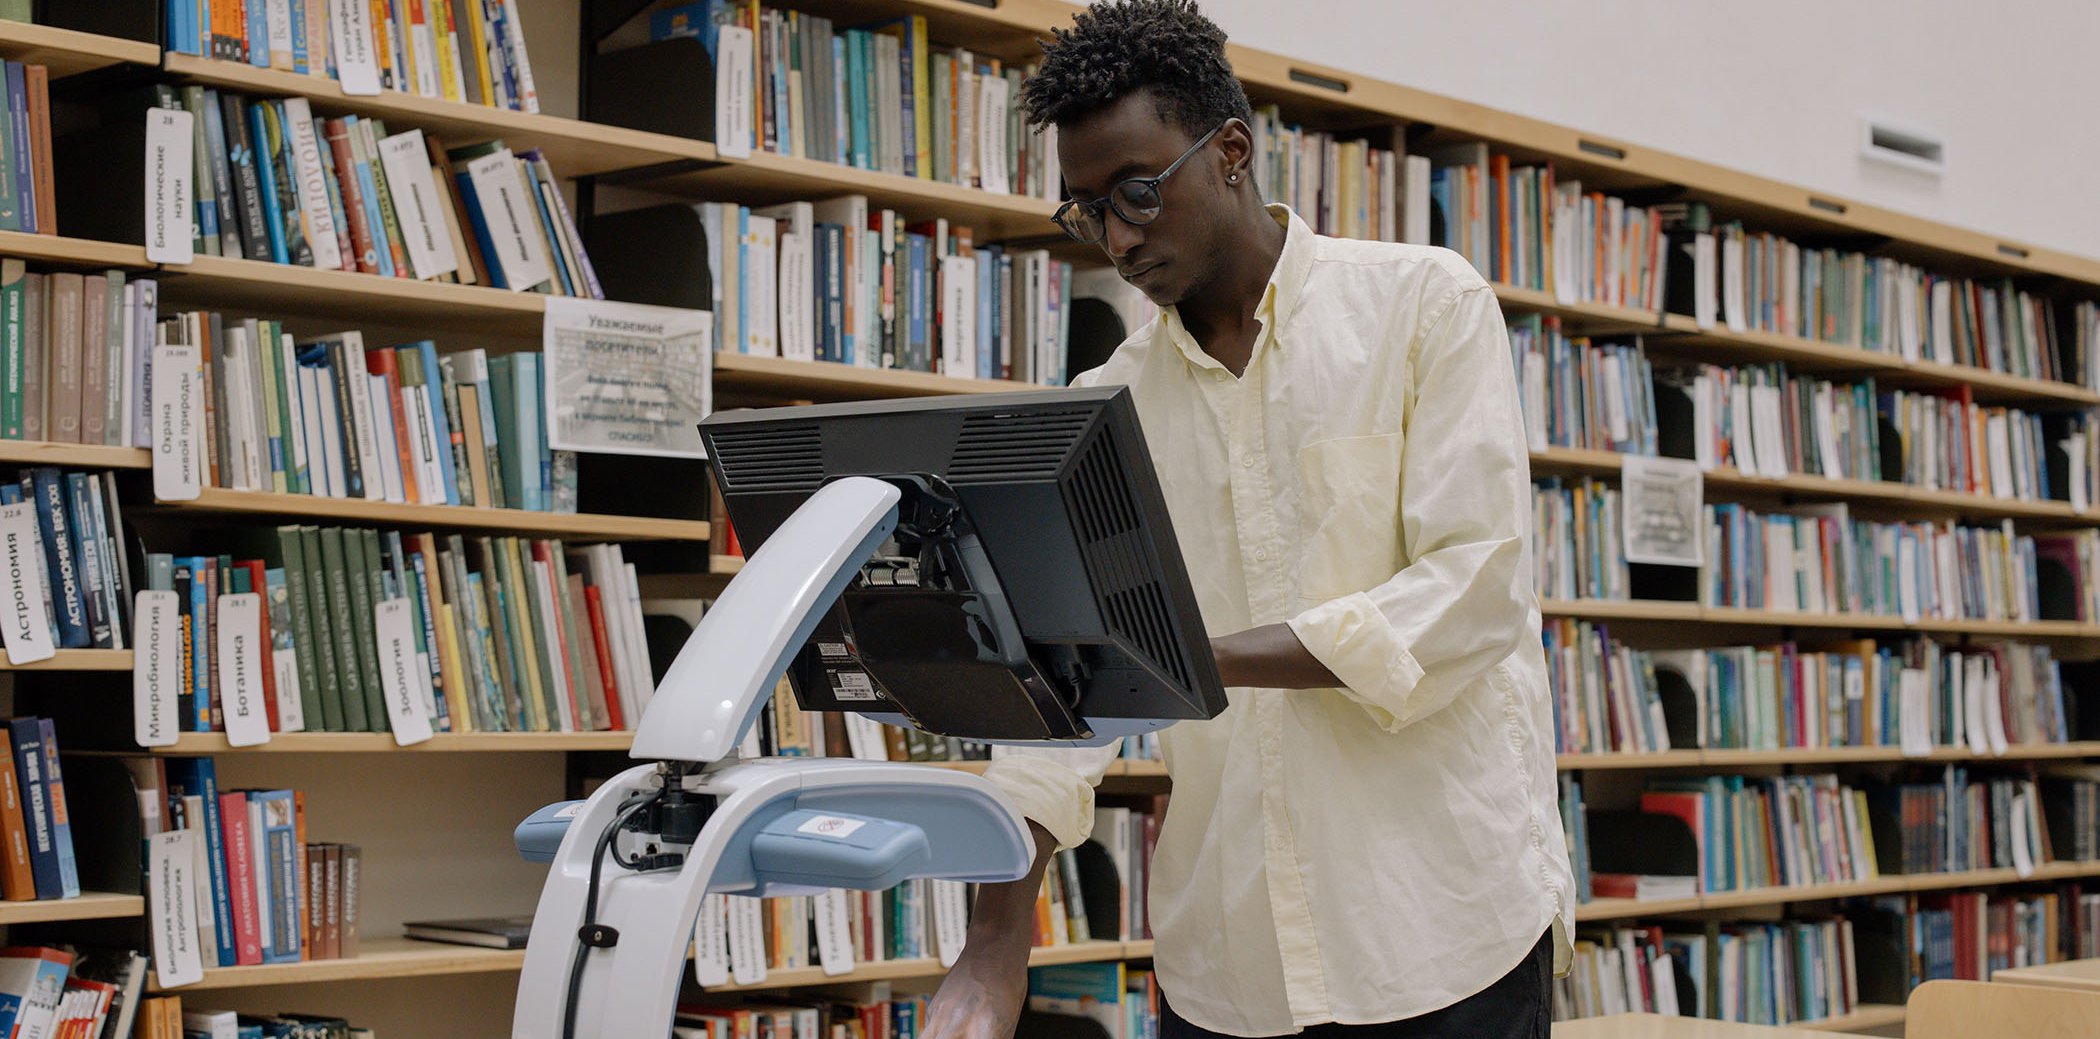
852 685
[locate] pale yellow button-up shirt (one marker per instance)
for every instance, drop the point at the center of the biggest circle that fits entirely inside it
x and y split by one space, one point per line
1383 850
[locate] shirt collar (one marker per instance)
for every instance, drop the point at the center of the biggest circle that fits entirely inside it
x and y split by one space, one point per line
1279 297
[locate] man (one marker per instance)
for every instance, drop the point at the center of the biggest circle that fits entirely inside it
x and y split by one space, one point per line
1368 835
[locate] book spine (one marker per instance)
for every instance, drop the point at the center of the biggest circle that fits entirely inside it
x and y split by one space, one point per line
73 631
61 824
343 616
28 740
240 878
17 873
321 602
247 179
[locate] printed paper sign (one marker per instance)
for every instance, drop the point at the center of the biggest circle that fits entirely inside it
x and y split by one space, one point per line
747 940
834 933
831 826
170 889
397 671
1664 498
416 202
511 211
951 919
356 66
734 126
28 605
1911 686
711 942
156 677
240 675
991 136
626 379
170 164
177 472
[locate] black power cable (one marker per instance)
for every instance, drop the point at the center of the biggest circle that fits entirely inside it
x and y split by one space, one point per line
590 935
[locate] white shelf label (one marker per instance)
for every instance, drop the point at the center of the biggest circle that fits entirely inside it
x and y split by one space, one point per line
28 636
240 669
397 671
170 163
170 889
156 680
177 469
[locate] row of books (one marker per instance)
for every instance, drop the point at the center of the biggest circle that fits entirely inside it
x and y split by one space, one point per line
876 97
1756 973
265 893
1779 831
1124 1000
229 1024
1577 393
508 634
1347 188
784 729
275 183
1913 693
1952 823
459 50
35 821
2071 805
73 362
1951 443
79 579
67 991
28 194
1578 548
1764 282
330 416
1967 935
838 281
1519 225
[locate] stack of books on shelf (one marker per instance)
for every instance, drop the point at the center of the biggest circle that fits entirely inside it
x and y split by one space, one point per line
329 416
1122 999
1521 226
1581 394
1771 832
68 991
1951 443
74 355
217 1024
459 50
35 820
1342 187
265 893
2071 805
1756 973
878 97
510 634
1604 692
28 192
1578 550
1951 823
1906 940
80 576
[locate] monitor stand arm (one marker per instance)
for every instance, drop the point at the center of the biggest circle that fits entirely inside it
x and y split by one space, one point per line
630 865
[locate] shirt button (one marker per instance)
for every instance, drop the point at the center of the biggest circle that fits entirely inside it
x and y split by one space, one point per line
1247 462
1261 554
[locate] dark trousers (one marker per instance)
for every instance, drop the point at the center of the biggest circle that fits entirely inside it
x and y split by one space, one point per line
1519 1006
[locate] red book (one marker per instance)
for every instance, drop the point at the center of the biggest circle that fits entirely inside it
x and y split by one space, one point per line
36 79
361 245
595 605
240 878
381 362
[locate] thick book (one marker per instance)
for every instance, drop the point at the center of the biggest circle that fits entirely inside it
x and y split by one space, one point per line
496 932
17 878
240 877
247 178
28 744
284 884
343 613
320 616
61 823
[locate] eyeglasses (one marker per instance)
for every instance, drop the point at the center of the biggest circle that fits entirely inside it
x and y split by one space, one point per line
1136 201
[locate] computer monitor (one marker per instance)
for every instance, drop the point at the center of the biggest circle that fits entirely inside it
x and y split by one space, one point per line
1033 590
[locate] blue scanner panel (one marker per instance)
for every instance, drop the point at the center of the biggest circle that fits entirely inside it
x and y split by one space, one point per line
830 849
539 836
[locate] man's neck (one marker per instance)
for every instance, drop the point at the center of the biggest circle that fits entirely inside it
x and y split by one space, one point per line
1221 314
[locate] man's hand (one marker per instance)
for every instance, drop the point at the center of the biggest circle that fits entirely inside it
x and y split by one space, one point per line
982 996
1269 657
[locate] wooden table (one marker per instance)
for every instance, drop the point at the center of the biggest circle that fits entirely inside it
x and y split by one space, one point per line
2076 974
1659 1026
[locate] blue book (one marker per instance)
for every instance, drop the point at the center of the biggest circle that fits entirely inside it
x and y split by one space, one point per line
200 776
564 278
182 39
471 205
222 176
88 556
199 645
265 169
918 254
743 263
534 409
335 191
434 387
27 735
61 825
301 61
259 35
66 596
281 932
370 188
987 300
18 125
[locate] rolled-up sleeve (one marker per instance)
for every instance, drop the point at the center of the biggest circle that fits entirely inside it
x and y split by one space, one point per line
1053 786
1406 647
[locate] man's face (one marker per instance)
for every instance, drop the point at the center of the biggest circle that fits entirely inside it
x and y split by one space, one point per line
1174 255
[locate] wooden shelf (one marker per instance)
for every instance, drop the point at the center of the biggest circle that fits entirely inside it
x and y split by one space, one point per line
382 958
91 905
1683 612
68 52
281 288
767 178
1864 1016
1728 757
574 148
77 660
1623 908
79 456
190 743
1568 460
828 380
724 566
71 252
547 524
894 970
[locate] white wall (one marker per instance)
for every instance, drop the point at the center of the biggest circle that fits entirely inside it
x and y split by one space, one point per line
1773 87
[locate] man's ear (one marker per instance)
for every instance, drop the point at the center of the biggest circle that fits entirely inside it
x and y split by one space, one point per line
1236 150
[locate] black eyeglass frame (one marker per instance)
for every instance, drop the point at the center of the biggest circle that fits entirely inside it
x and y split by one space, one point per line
1100 206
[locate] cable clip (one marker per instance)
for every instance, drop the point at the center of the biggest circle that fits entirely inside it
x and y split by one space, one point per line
598 936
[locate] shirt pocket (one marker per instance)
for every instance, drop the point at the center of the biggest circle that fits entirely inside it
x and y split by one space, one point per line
1351 514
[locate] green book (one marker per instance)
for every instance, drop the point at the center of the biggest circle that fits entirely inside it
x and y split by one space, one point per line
277 447
510 448
545 651
322 628
12 166
342 613
243 581
292 550
13 317
358 570
496 619
17 10
518 619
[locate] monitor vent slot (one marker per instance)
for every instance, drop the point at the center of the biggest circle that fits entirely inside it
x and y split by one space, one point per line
1134 608
997 448
780 458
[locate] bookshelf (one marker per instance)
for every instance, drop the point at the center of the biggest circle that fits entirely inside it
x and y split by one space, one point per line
91 905
68 52
78 660
1312 93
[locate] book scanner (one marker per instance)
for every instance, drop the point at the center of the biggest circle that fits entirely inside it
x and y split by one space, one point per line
997 568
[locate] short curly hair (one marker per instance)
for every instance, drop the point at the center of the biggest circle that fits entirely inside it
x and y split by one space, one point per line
1118 47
